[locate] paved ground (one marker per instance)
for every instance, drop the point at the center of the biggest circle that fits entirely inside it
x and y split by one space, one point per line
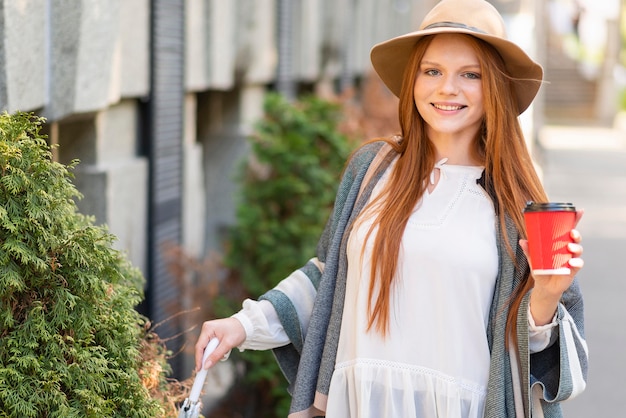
587 166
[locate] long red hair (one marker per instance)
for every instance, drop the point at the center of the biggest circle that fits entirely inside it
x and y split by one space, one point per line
499 146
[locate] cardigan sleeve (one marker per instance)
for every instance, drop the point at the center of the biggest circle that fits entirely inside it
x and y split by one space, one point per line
560 371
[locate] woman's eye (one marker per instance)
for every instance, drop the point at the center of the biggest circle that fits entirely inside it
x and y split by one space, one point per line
432 72
472 76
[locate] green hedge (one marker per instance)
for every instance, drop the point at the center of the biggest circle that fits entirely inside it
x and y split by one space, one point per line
70 337
287 190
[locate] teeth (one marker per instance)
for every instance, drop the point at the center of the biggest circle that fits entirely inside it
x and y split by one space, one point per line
446 107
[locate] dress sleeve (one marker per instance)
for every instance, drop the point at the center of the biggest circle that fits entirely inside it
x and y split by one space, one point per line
294 294
263 328
541 336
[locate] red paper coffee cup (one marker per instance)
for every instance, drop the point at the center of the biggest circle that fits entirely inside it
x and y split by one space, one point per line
548 227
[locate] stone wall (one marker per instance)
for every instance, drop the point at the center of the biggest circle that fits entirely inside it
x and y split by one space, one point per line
87 66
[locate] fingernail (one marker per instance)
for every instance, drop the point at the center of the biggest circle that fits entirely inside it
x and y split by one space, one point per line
575 262
208 365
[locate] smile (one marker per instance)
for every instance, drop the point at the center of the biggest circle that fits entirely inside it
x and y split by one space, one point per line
447 107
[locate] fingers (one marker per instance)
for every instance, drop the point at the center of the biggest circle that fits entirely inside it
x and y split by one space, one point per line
203 340
575 249
230 334
221 352
576 262
523 243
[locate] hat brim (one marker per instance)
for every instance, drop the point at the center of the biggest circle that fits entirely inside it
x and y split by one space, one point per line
391 57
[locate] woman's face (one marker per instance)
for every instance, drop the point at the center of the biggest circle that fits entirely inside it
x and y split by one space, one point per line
448 89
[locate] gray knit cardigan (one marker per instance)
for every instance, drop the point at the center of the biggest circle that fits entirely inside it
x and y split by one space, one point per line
532 388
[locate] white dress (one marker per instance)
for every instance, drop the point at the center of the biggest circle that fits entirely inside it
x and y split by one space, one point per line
435 359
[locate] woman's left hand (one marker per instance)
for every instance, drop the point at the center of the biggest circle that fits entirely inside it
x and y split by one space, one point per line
548 289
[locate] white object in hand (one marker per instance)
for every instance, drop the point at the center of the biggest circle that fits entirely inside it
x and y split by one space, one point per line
198 383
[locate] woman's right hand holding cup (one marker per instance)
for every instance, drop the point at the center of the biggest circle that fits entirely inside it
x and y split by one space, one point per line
230 334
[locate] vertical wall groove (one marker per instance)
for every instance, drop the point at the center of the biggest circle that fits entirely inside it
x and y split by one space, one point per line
165 151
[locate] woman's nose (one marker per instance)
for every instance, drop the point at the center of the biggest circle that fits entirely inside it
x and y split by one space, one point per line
449 85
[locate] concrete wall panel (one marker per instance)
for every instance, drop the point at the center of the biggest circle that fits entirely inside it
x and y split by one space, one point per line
134 45
117 132
222 26
83 44
22 35
210 44
309 35
256 57
115 195
196 45
127 209
99 30
194 203
111 177
127 178
64 51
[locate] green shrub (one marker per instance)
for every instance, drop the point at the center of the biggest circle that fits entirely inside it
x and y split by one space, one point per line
287 190
70 336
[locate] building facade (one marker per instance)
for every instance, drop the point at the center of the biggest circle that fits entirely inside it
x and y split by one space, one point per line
156 99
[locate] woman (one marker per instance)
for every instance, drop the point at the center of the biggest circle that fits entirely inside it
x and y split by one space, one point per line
420 302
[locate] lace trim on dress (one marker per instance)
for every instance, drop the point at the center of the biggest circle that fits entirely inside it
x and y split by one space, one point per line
390 366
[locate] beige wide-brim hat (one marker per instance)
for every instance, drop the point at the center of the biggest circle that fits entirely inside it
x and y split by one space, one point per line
477 18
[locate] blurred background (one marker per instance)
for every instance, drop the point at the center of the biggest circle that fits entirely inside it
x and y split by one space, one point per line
158 100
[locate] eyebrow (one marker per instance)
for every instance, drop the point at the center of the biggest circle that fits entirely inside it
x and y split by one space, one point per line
436 64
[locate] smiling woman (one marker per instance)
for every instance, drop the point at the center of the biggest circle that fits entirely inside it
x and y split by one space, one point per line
419 301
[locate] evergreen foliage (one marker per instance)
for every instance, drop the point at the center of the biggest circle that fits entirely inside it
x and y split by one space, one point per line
287 191
70 336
